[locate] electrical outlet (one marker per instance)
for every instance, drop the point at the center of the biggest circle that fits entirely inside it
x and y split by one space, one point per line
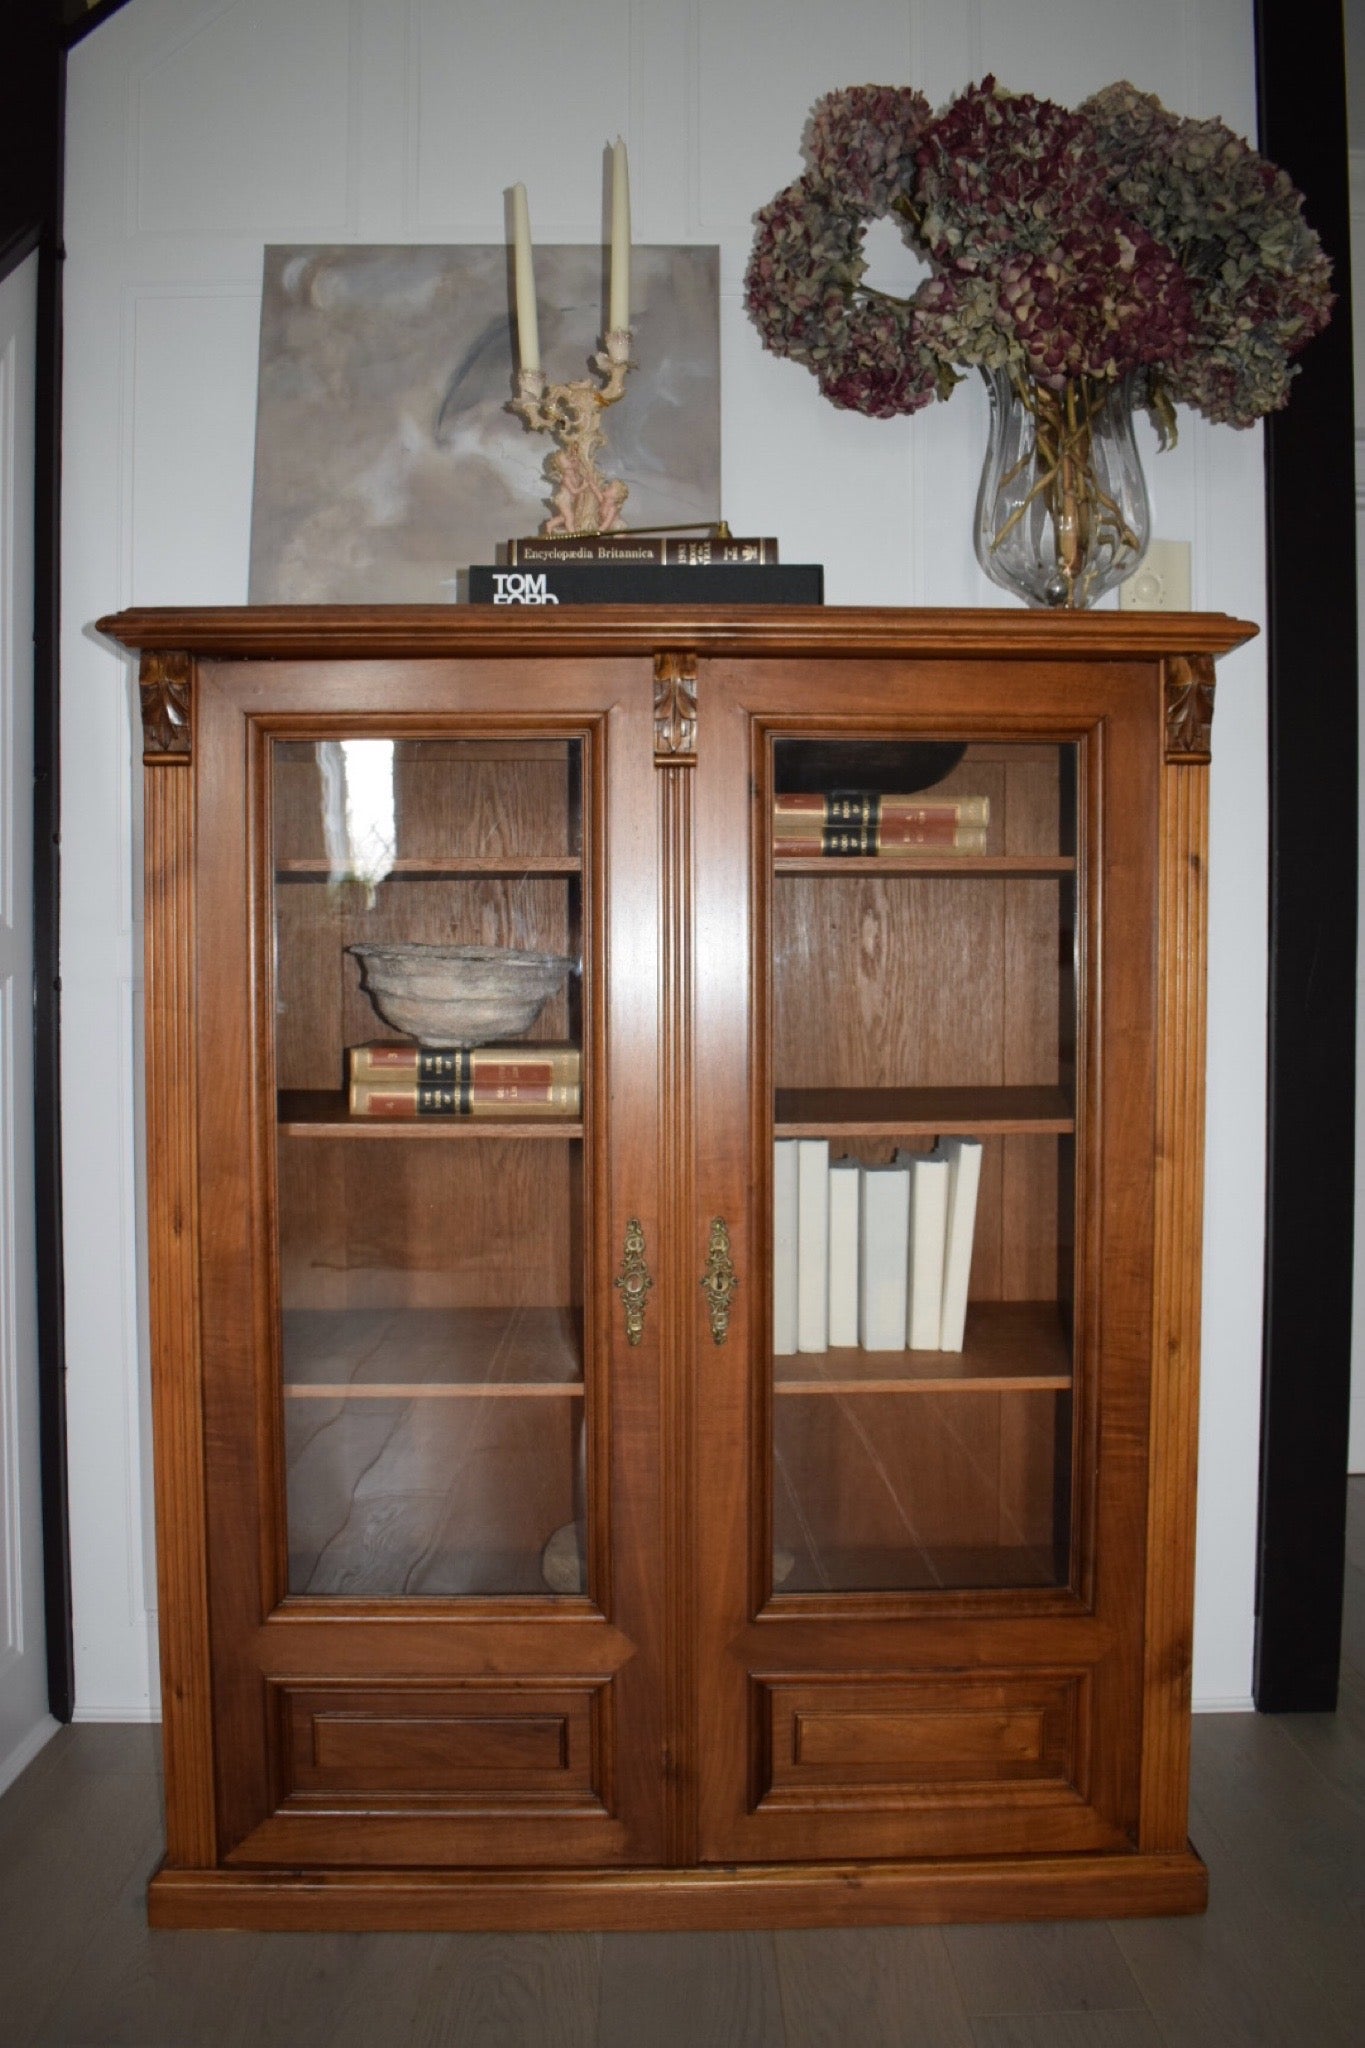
1162 584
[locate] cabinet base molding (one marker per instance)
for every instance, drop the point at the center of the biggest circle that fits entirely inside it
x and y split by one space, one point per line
697 1900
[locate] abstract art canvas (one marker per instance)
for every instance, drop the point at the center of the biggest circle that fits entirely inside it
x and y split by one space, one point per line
386 458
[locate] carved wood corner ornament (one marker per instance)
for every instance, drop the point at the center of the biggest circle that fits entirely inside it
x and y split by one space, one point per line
675 710
1189 707
164 684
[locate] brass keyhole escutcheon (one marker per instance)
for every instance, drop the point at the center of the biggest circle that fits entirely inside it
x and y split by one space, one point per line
633 1282
720 1280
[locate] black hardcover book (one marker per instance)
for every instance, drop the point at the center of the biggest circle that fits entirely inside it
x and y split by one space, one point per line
647 583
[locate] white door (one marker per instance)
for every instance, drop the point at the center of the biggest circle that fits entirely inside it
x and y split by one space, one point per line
24 1722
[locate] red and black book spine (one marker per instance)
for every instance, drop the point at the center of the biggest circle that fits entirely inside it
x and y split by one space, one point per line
389 1079
862 822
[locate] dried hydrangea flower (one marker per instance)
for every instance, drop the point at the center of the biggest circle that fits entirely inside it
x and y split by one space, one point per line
862 142
804 289
1013 187
1064 244
1259 279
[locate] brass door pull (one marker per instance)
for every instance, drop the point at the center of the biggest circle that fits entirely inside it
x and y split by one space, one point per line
720 1280
633 1281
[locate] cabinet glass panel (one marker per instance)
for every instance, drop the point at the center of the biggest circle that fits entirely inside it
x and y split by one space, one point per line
430 921
924 1005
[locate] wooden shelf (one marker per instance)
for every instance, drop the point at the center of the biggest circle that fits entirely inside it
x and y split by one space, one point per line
322 1113
936 1568
404 1354
832 866
423 1390
1012 1347
478 867
920 1112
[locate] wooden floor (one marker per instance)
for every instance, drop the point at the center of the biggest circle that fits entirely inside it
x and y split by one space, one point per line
1278 1814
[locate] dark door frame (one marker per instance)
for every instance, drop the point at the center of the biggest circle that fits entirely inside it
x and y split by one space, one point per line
32 81
1310 1178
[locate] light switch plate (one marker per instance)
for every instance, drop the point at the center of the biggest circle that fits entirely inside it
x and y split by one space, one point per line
1162 584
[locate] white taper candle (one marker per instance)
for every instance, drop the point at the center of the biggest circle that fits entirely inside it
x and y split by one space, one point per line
528 327
619 303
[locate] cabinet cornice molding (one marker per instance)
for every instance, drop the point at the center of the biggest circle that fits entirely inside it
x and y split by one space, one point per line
824 632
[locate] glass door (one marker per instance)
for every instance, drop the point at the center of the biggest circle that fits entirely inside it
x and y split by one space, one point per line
917 1625
429 920
425 1134
923 946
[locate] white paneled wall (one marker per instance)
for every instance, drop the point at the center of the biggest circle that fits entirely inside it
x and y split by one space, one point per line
200 130
239 111
25 1724
567 74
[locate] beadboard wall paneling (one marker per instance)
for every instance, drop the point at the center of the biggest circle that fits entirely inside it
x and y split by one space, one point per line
759 69
855 491
12 1544
530 93
199 130
24 1720
383 93
1224 472
246 117
664 157
113 1589
14 555
192 413
1229 575
1149 44
834 485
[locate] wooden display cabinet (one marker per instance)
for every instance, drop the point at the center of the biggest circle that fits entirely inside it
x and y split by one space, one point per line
508 1576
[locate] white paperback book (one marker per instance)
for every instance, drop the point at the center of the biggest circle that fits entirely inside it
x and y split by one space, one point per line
964 1179
812 1244
882 1266
844 1176
928 1235
784 1247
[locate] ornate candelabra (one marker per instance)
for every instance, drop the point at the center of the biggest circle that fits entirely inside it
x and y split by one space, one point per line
585 501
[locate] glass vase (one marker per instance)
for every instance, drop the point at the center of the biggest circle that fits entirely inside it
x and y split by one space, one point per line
1062 514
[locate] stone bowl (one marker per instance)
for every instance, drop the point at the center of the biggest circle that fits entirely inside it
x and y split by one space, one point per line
459 995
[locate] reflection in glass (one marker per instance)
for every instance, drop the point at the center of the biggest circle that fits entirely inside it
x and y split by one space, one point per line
358 810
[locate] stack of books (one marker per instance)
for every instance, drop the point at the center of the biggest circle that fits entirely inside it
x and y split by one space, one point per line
872 1257
674 550
863 821
393 1078
644 568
